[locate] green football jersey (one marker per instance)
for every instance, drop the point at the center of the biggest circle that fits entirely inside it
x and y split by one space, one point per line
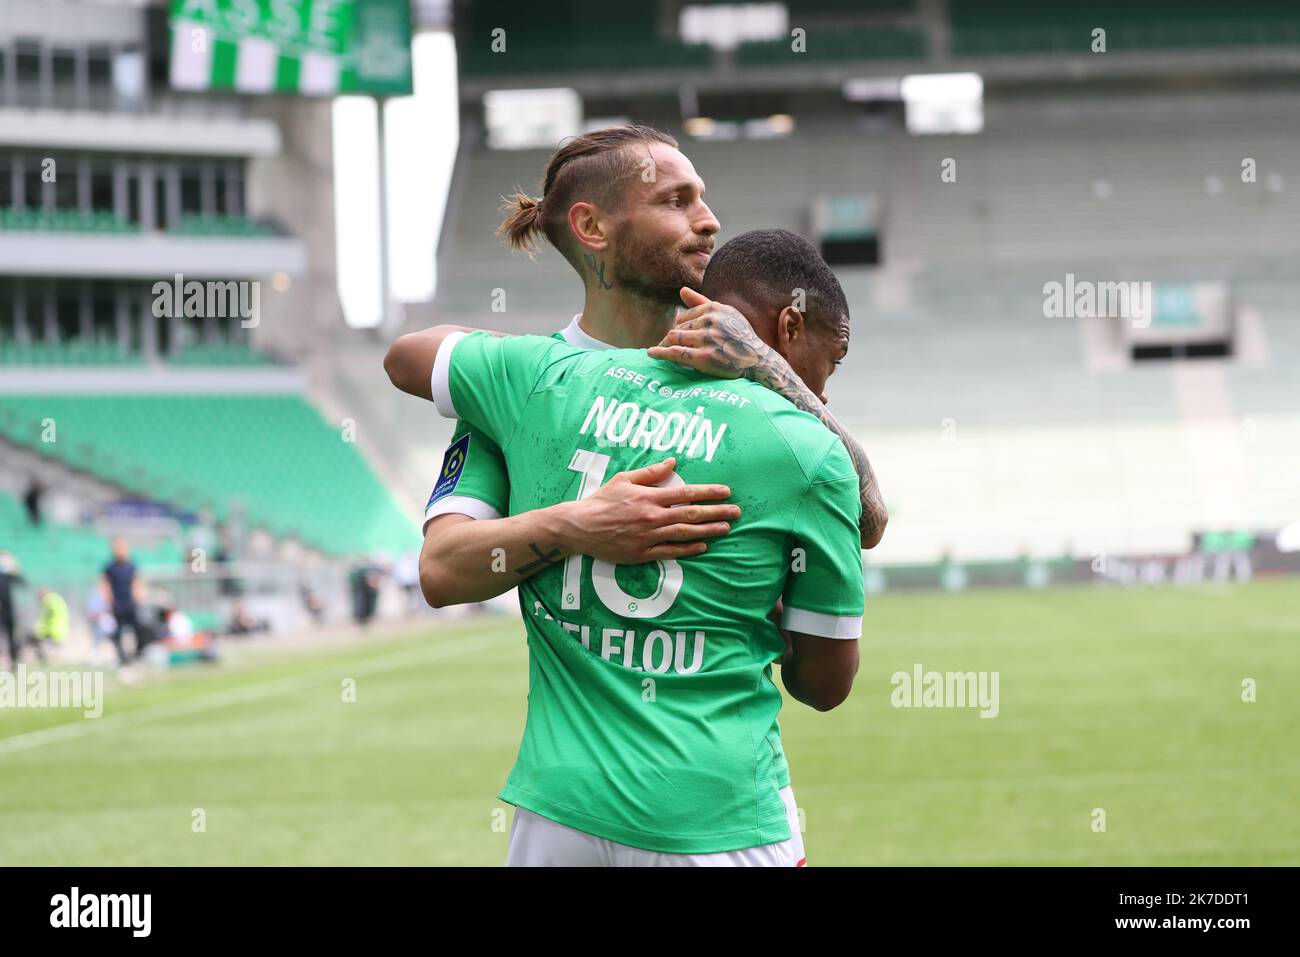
652 713
473 479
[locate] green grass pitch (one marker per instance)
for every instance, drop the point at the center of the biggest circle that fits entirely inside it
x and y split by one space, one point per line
1128 701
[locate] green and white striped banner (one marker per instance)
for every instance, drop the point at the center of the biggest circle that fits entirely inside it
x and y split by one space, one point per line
309 47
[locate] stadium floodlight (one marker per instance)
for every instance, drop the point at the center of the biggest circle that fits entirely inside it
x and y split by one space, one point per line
869 89
943 102
529 119
769 127
726 26
707 128
701 126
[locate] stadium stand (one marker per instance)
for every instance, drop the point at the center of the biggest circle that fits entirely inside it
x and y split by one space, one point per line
241 226
55 552
844 44
566 40
1119 177
956 380
218 354
265 455
987 27
73 353
65 220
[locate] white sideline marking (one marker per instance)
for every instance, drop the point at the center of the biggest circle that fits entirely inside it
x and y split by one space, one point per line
244 693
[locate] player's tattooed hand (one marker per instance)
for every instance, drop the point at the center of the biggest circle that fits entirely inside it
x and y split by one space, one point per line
717 340
633 518
712 338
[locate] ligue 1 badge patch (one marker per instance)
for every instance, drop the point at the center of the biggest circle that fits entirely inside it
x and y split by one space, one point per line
453 463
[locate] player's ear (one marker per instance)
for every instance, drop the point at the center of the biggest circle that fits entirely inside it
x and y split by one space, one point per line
790 326
587 226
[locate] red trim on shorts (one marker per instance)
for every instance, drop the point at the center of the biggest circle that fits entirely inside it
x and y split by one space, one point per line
803 862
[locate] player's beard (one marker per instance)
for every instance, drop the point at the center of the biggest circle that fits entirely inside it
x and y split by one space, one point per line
653 270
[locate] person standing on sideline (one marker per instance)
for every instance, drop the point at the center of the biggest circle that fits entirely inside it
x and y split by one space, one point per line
9 579
123 591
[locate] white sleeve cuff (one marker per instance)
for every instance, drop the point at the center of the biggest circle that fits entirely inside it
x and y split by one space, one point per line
440 383
459 505
823 626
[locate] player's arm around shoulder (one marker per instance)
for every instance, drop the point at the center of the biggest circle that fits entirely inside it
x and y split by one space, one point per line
410 359
631 519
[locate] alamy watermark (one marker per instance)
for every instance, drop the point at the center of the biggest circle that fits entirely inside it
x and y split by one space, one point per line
53 689
946 689
75 909
214 299
1084 299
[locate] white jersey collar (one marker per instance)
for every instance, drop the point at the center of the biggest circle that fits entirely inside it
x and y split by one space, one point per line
576 336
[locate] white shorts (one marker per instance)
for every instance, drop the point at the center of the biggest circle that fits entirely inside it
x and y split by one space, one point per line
536 841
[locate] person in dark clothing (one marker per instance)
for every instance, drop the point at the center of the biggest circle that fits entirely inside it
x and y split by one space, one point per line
9 579
33 501
122 590
364 582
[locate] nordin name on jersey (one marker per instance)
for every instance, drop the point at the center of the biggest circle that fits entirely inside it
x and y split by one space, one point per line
636 426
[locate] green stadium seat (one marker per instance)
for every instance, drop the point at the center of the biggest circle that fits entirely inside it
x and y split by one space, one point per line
74 353
64 220
827 44
193 224
267 454
56 554
990 27
218 354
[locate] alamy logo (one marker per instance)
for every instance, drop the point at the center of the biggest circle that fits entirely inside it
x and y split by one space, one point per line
210 299
1088 300
102 910
946 689
53 689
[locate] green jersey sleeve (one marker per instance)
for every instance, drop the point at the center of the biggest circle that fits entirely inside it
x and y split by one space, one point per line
472 480
824 590
487 380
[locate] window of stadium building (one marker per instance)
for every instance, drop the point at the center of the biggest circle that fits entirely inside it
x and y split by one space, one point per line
8 194
27 72
63 73
34 194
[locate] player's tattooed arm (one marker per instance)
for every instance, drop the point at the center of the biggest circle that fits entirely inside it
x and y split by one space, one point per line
717 340
629 520
773 371
409 360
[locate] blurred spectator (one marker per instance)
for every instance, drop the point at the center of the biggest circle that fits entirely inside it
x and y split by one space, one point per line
243 623
123 590
51 622
364 582
231 587
312 602
178 635
102 622
32 499
178 627
9 579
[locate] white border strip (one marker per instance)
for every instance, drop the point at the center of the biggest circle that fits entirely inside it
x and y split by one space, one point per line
459 505
823 626
440 384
